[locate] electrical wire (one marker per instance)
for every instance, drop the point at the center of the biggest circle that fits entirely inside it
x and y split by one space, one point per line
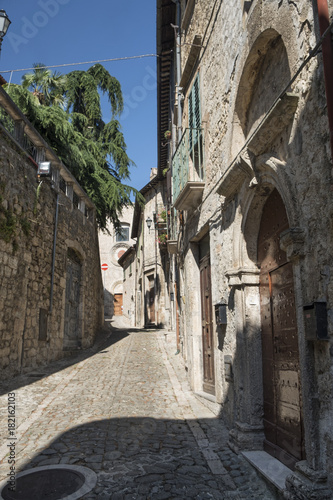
81 63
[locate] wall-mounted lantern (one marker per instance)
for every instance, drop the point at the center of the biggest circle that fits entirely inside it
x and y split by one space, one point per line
149 222
44 169
4 25
221 313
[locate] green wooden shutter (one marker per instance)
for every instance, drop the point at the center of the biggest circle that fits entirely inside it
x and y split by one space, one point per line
194 113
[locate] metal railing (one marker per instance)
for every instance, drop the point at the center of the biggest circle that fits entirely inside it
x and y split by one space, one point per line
188 161
7 121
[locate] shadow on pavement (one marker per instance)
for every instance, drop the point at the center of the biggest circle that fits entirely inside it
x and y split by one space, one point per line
148 458
105 338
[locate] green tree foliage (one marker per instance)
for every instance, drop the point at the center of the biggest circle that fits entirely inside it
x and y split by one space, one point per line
66 111
47 87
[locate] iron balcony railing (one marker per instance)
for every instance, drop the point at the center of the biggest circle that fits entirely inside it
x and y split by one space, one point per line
13 128
188 161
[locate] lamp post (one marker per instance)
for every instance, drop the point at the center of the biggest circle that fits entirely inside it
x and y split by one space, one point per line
4 25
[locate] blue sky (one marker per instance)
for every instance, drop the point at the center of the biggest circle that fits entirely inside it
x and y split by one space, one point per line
69 31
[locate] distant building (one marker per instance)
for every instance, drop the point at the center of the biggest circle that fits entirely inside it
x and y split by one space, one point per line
127 262
112 246
151 258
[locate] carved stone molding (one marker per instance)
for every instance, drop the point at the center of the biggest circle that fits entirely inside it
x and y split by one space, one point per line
292 242
240 169
275 121
243 277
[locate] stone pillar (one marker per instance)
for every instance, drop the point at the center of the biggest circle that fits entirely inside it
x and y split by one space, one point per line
247 433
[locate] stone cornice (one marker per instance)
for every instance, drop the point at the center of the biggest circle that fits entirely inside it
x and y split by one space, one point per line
243 277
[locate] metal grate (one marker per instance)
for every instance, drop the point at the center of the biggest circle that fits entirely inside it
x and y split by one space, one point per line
50 484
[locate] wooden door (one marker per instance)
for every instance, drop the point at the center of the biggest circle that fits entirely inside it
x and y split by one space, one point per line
151 299
281 371
73 283
207 326
118 304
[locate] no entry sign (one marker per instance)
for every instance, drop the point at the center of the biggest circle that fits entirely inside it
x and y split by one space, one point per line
104 267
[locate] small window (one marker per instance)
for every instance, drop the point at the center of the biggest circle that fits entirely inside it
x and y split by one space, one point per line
247 5
122 233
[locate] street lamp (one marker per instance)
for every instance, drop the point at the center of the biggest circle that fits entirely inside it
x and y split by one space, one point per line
4 25
148 222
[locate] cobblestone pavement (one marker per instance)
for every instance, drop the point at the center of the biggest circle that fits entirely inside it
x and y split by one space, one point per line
125 410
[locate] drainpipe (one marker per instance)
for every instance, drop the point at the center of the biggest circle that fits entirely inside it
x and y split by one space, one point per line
178 71
54 252
324 23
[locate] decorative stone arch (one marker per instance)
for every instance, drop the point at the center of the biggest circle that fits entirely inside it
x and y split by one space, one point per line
117 287
75 245
271 173
266 63
244 280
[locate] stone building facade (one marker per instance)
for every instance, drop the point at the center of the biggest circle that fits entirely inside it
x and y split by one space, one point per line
250 165
113 244
153 302
51 300
128 263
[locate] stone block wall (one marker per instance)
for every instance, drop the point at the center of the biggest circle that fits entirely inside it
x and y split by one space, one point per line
32 307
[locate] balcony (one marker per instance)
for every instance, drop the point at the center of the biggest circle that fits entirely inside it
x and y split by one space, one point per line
188 170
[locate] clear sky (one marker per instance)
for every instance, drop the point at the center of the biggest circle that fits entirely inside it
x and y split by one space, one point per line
69 31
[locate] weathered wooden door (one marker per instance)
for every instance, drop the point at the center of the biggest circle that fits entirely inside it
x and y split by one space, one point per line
118 304
207 326
281 371
73 283
151 299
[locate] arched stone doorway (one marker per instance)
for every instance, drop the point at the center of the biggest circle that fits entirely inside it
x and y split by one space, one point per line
283 420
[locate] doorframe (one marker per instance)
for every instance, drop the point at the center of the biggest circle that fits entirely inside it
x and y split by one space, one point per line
206 386
275 265
247 433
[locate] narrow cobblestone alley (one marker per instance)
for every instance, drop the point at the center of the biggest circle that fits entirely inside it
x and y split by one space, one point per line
126 412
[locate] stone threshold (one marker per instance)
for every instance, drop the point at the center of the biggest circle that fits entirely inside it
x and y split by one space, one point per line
206 395
269 467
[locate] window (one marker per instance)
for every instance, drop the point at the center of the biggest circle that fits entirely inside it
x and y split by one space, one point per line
122 234
247 5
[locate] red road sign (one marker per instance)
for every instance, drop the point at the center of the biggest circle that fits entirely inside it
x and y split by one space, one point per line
104 267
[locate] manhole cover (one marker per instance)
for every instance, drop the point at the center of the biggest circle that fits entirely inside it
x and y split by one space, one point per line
51 483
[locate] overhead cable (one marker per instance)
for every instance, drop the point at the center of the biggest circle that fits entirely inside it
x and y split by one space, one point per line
81 63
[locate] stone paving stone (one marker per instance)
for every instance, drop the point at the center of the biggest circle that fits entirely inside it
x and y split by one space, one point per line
125 410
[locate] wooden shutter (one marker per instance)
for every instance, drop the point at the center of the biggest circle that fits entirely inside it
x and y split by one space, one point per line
194 114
